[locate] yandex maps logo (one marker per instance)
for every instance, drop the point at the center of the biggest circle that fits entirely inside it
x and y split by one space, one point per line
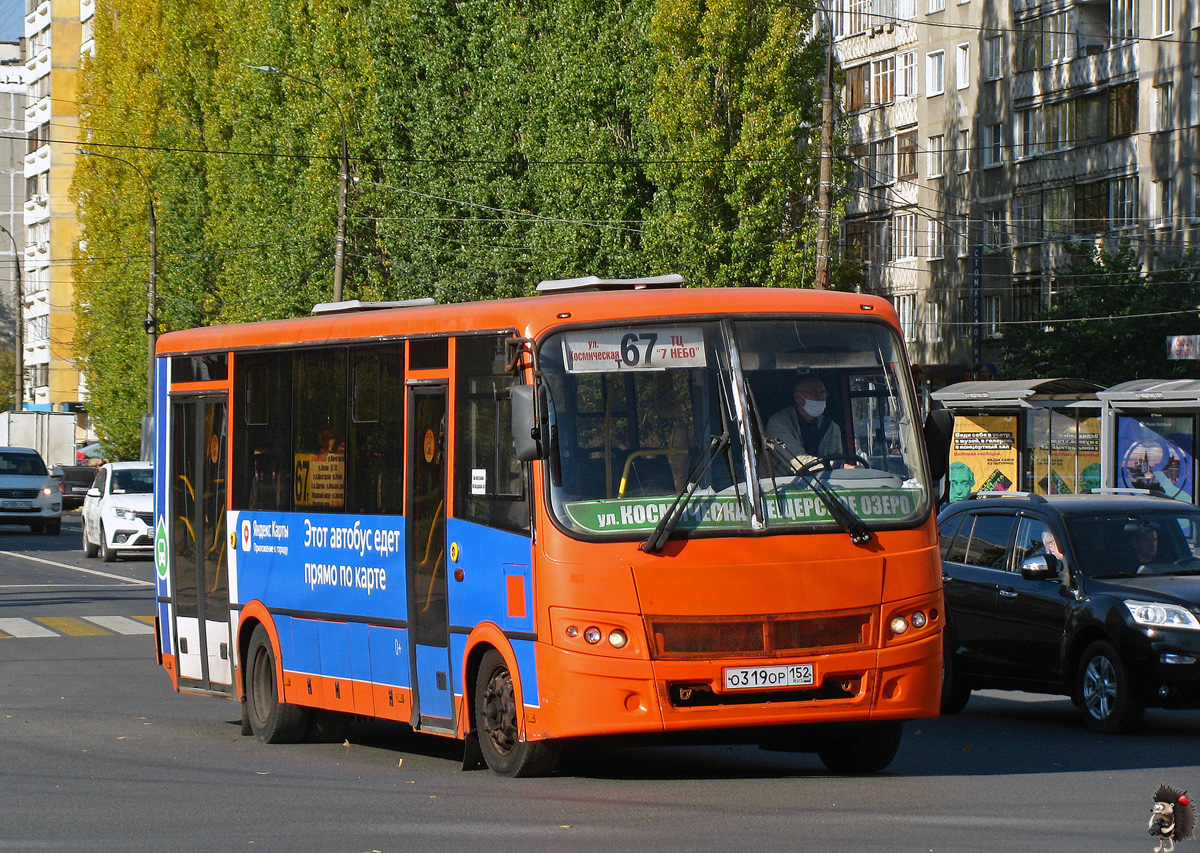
246 538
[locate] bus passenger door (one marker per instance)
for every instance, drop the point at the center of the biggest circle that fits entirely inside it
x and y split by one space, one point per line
196 509
428 623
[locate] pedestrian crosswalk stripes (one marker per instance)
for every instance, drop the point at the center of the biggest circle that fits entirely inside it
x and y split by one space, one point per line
73 626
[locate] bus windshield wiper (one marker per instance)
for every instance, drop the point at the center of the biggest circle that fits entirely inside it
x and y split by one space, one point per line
846 518
670 519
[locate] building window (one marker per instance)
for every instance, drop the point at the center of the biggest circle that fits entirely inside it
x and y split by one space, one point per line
1123 202
906 155
935 68
960 235
883 161
991 315
1091 118
1060 132
1057 38
879 248
1164 17
1195 195
905 227
1029 132
1029 45
938 6
962 66
1122 110
1059 212
962 154
993 230
857 14
906 10
1027 218
858 88
860 154
906 306
883 81
993 57
1164 203
1123 20
1091 207
935 156
1195 105
937 242
993 135
906 75
1027 299
933 322
1164 100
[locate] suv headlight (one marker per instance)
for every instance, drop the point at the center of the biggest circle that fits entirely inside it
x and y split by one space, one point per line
1156 615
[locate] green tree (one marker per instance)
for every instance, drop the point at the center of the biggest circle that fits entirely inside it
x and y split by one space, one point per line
1111 323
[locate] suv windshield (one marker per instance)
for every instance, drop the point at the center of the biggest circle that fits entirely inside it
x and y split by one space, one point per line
1142 543
22 463
750 411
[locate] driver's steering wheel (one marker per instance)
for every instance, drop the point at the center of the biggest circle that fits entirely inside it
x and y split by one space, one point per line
828 463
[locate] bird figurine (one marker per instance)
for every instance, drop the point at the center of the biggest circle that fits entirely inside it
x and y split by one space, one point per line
1172 819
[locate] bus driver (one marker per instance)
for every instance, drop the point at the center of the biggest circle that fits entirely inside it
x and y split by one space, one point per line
802 427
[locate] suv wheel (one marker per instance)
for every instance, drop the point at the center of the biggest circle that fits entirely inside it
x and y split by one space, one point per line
1103 690
954 694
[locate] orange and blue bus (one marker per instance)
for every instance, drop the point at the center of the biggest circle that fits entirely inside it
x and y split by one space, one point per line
528 521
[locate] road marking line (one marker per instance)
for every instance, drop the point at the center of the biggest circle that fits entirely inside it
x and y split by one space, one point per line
24 628
70 626
149 620
120 624
134 581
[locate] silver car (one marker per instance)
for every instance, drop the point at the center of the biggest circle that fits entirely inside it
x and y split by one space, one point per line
118 512
28 494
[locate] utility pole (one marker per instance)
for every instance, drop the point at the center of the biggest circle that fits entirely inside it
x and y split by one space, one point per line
825 164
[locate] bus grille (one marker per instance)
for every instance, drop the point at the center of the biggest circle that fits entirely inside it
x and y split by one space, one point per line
760 636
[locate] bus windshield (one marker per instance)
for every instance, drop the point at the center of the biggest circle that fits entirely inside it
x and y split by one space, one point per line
748 422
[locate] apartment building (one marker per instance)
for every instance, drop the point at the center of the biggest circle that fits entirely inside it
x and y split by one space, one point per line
985 136
13 84
53 40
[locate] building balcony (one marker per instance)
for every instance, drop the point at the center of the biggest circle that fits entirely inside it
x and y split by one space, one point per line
37 20
1114 157
87 9
37 209
39 63
37 113
1095 66
38 251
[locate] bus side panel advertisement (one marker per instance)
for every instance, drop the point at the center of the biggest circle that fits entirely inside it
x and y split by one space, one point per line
322 563
983 455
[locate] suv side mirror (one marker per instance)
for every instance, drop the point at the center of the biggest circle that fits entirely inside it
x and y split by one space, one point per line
939 431
1039 567
530 427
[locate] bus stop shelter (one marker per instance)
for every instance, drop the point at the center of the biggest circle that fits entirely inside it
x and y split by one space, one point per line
1148 435
1033 435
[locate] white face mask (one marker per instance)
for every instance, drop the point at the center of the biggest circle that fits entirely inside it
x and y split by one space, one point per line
814 408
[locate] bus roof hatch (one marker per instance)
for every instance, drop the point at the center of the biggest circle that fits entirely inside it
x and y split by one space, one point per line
592 282
352 305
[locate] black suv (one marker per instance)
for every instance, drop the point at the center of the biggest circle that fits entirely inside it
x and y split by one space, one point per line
1096 597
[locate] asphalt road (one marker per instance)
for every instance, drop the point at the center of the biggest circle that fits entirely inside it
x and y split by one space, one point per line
98 754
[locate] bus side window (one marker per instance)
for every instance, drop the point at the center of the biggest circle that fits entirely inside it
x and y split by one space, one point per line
375 455
490 483
262 469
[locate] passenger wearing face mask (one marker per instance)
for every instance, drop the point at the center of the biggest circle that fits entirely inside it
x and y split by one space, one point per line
802 428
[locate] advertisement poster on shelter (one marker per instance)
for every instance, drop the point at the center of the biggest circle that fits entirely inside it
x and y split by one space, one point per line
1156 453
983 455
1066 456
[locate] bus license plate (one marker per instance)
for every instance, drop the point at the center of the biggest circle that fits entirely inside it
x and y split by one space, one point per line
18 504
756 677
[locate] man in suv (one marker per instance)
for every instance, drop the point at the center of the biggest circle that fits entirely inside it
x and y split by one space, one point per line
1096 597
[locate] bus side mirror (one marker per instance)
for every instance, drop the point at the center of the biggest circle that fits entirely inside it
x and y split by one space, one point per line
939 430
529 431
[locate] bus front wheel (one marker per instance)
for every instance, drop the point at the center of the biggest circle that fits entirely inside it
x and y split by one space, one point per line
271 721
497 727
859 747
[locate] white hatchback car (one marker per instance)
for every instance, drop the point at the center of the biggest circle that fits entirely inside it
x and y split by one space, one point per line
28 495
118 512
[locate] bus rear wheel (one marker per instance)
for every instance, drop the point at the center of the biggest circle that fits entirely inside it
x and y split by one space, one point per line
859 747
271 721
495 709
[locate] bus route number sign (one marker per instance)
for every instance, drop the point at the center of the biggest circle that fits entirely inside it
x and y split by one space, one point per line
636 348
757 677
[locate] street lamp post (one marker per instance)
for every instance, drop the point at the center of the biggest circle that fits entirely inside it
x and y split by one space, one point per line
19 367
151 321
339 251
